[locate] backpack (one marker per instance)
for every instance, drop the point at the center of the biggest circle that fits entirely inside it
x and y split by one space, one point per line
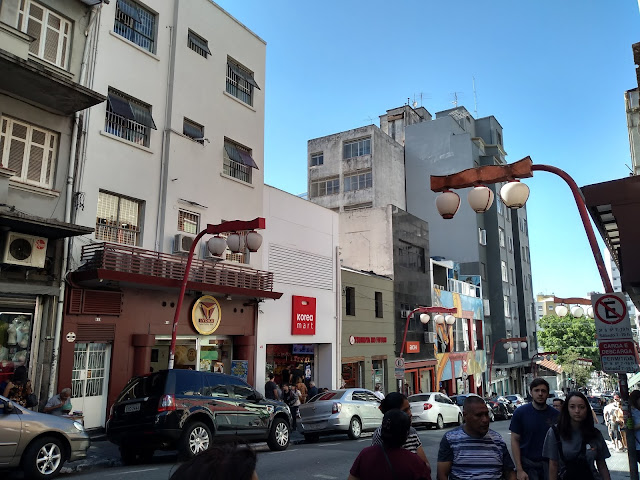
577 468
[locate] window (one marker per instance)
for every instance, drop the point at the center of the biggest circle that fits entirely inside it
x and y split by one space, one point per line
118 219
128 118
524 254
482 236
378 304
505 301
358 181
357 148
238 161
528 254
350 300
188 222
325 187
539 308
357 206
240 82
198 44
193 130
317 159
512 277
50 31
510 242
483 270
411 256
499 205
29 151
505 275
498 137
501 236
136 24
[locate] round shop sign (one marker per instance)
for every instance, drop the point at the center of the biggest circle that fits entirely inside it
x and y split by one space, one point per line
352 339
206 315
71 337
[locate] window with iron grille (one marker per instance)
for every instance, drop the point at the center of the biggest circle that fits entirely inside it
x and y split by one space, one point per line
505 274
118 219
317 159
29 151
240 82
358 181
193 130
236 161
128 118
50 31
328 186
136 24
505 302
501 236
357 148
188 222
350 300
378 304
198 44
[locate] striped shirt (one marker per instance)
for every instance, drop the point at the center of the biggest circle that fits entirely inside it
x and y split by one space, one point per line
475 458
412 444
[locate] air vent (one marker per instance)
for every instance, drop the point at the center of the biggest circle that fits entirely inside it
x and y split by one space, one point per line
26 250
182 243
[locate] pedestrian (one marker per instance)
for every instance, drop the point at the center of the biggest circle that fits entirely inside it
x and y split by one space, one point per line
529 426
618 419
575 443
557 403
290 397
609 420
18 389
634 403
443 391
59 404
378 392
296 372
389 460
220 462
472 450
271 389
302 390
285 373
396 400
313 390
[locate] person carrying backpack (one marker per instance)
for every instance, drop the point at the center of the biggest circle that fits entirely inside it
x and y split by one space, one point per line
574 445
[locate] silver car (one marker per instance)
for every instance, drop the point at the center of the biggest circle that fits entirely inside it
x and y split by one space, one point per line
352 411
37 442
434 409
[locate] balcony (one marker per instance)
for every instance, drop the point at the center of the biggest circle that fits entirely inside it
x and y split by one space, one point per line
110 264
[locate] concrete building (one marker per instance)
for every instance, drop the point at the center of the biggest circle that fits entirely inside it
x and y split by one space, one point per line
42 91
632 108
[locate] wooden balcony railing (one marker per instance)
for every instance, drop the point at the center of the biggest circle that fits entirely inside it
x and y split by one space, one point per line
127 259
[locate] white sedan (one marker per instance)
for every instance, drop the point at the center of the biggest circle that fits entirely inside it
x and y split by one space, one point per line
434 409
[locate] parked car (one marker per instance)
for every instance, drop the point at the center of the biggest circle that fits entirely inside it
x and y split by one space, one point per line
187 410
500 410
38 443
459 400
555 394
516 399
596 404
434 409
351 410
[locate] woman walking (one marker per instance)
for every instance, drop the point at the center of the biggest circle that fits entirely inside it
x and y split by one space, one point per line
290 397
575 444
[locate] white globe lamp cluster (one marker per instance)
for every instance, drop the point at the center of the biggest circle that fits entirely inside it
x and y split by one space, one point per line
513 194
235 242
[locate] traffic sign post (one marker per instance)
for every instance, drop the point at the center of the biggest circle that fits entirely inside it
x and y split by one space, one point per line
399 368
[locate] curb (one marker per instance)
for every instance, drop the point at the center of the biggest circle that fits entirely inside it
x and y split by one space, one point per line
83 467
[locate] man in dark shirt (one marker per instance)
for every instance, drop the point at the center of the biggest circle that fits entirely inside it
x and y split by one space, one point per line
271 389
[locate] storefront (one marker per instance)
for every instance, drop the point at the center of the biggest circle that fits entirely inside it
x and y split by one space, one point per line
16 332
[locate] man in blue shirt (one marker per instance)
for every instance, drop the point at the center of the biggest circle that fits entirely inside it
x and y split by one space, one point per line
529 426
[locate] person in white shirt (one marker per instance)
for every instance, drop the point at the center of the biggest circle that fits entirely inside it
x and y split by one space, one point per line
378 392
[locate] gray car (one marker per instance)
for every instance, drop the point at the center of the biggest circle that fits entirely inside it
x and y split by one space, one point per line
38 443
351 411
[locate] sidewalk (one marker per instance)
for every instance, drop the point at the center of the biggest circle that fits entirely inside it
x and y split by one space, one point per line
618 464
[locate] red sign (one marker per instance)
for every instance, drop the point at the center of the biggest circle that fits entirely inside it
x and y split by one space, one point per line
623 347
353 339
40 244
618 356
303 320
413 347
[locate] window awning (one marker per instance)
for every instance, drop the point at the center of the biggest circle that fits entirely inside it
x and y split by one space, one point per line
191 131
199 42
143 116
121 107
239 156
243 74
129 10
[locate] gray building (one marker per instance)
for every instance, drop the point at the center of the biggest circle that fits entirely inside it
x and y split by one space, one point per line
42 53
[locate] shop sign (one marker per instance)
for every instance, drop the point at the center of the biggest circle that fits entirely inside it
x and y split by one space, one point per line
353 340
206 315
413 347
303 321
618 356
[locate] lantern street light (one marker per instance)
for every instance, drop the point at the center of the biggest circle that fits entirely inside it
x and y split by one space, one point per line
424 319
217 245
507 344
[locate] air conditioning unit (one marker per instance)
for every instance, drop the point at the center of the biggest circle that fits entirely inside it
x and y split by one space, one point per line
404 313
27 250
429 337
182 243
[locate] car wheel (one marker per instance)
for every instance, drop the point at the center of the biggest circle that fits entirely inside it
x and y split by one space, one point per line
439 423
355 428
279 435
195 439
459 419
43 458
311 437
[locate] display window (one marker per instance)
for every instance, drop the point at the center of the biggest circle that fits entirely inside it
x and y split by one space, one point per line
287 362
352 375
15 341
208 354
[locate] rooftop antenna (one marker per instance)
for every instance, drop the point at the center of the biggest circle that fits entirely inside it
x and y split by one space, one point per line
455 99
475 98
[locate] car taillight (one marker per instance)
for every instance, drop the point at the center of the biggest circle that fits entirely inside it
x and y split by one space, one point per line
113 405
336 407
427 406
167 403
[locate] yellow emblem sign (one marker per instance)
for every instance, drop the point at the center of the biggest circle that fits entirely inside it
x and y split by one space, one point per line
206 315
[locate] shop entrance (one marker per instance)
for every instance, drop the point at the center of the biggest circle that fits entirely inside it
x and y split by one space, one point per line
89 382
210 354
287 362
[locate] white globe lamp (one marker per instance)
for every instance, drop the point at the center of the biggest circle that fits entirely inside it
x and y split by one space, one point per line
447 204
450 319
424 318
254 240
480 198
506 345
561 311
523 344
439 319
514 194
217 245
235 243
590 312
577 311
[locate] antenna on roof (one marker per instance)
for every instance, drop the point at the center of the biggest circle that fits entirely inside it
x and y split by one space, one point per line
455 99
475 98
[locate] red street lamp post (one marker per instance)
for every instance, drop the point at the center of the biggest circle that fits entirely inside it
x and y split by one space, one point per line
523 343
422 311
216 245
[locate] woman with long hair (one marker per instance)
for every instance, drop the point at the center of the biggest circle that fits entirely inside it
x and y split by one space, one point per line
576 444
18 388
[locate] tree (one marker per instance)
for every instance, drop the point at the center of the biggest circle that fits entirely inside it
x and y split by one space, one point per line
571 337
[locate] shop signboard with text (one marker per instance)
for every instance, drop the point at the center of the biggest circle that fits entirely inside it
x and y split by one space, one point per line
303 321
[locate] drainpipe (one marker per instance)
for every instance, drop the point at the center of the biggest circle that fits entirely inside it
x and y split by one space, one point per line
67 218
338 319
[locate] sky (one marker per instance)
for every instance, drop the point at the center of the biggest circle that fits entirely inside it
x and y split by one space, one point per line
552 72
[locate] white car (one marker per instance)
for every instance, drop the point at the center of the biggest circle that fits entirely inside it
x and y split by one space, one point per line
434 409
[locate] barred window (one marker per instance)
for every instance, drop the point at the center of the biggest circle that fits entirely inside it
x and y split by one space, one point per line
198 44
29 151
50 31
188 222
357 148
358 181
503 268
324 187
128 118
317 159
501 236
237 162
193 130
118 219
240 82
136 24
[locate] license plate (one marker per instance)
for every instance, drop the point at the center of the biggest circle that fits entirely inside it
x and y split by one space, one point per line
313 426
132 407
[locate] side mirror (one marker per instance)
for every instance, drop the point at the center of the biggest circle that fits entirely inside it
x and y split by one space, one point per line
257 396
5 407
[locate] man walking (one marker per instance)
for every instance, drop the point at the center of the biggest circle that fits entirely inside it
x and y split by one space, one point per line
529 426
473 451
271 389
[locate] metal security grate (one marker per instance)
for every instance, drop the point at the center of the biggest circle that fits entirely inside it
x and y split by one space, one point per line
188 222
117 219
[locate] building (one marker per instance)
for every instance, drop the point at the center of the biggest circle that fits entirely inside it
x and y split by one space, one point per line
632 107
42 93
614 274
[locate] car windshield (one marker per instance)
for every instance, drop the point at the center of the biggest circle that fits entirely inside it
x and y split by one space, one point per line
418 398
141 387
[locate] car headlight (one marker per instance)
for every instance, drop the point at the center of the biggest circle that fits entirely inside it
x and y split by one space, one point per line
287 408
78 426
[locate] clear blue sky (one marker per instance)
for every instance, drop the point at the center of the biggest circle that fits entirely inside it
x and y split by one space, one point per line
552 72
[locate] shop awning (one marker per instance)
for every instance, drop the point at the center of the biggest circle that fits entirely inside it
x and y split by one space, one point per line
41 227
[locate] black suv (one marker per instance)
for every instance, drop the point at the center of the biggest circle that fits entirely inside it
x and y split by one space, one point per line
187 410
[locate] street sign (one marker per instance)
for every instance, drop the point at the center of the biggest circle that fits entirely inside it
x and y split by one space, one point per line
611 316
618 356
400 362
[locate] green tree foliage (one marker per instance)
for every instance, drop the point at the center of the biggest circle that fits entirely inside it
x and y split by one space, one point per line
571 337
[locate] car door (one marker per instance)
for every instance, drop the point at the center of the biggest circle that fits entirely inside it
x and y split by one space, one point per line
252 415
451 408
374 415
10 431
359 407
219 402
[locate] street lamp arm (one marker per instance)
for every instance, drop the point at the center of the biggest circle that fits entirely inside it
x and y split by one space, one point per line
493 351
586 221
236 226
484 175
422 310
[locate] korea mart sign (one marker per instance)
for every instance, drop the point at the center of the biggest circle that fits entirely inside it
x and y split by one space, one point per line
303 320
